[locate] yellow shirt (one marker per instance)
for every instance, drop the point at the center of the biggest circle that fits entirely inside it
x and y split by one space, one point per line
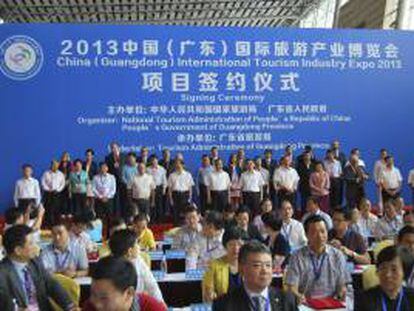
216 278
146 239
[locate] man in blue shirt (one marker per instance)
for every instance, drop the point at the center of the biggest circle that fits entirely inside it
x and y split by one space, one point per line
65 256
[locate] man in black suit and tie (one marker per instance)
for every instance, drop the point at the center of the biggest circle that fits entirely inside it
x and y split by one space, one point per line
255 293
24 282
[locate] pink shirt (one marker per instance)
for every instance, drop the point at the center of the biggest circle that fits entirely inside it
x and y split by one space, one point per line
319 183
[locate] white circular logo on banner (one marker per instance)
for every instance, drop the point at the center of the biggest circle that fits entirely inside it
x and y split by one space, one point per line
21 57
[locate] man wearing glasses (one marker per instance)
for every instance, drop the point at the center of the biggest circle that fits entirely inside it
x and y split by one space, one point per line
255 293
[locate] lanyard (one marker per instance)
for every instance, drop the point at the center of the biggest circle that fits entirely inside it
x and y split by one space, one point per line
61 264
400 298
210 249
317 269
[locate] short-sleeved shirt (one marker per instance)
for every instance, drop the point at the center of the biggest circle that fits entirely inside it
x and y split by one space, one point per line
218 181
294 233
304 267
251 181
351 240
142 185
388 227
180 181
186 237
73 257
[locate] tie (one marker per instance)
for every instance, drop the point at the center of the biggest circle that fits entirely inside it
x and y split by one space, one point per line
29 288
259 303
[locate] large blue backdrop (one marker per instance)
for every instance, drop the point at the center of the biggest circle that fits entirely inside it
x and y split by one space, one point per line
71 87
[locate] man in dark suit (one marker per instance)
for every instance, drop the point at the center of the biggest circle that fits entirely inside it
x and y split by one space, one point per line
339 155
270 164
24 282
305 167
255 265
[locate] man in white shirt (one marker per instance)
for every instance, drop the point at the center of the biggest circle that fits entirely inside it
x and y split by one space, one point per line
389 225
208 244
27 189
53 183
218 187
265 175
285 181
143 189
380 164
390 180
251 183
104 189
356 153
180 184
292 229
334 169
187 234
159 174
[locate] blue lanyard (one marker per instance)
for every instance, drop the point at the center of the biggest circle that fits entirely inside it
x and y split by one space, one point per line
400 298
61 264
317 269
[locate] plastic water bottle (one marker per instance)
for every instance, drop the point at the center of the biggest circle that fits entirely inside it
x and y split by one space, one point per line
349 300
164 265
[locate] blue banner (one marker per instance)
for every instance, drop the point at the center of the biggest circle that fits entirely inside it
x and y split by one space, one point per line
72 87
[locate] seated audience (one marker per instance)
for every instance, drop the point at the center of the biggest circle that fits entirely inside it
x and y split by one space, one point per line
114 281
243 222
187 234
31 216
64 255
123 243
208 244
368 221
349 242
390 294
408 218
265 207
222 274
78 232
95 227
144 234
406 238
292 229
118 223
229 216
389 225
24 282
255 293
312 208
278 245
317 270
